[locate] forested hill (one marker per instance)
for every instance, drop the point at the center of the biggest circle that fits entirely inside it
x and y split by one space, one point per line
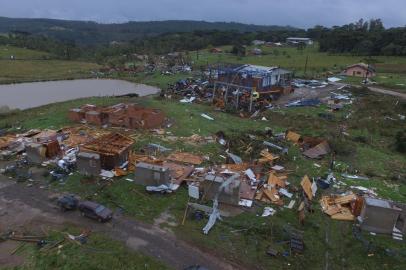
91 33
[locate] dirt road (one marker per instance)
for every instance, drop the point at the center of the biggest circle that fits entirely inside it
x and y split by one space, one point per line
22 206
387 92
308 93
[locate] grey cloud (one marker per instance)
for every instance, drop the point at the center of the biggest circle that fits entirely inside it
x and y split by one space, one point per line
300 13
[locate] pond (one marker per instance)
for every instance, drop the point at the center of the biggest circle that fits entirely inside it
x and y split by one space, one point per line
29 95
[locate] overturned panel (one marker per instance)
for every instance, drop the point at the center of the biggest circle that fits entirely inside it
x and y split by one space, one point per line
230 194
318 151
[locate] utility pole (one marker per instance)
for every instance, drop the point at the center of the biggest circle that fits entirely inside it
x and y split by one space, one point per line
305 68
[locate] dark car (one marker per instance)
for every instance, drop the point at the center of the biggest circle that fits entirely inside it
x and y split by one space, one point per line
68 202
95 211
196 267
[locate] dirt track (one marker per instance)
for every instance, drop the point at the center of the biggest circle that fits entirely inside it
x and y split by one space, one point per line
387 92
31 207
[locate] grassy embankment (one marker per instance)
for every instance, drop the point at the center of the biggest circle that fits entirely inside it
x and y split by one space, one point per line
368 150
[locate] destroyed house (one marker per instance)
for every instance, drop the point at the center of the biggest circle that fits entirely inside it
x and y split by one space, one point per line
119 115
96 118
79 114
135 117
260 78
113 149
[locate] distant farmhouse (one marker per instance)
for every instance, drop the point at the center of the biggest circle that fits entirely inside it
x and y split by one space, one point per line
258 42
256 51
298 40
216 50
360 70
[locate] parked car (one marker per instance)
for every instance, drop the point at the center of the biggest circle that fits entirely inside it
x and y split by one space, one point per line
196 267
68 202
95 211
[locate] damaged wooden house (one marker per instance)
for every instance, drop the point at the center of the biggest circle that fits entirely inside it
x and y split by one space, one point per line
123 115
107 152
249 86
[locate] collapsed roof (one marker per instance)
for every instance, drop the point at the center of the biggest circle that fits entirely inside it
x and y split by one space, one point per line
110 144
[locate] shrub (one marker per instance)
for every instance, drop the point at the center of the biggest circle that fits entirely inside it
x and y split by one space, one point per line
342 147
400 143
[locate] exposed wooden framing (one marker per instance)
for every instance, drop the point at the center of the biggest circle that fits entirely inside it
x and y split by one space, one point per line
238 88
110 144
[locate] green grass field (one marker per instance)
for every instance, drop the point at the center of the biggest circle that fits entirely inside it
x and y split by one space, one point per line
32 66
40 70
368 150
21 54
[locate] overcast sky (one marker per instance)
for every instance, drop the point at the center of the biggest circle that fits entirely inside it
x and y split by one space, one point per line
300 13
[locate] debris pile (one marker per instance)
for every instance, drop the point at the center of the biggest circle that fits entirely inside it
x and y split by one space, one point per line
344 207
314 148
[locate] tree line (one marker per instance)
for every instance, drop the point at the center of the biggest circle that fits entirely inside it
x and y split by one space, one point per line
361 38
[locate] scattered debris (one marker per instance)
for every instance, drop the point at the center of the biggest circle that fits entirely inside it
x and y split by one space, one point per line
308 187
354 177
268 211
340 207
207 117
318 151
185 158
